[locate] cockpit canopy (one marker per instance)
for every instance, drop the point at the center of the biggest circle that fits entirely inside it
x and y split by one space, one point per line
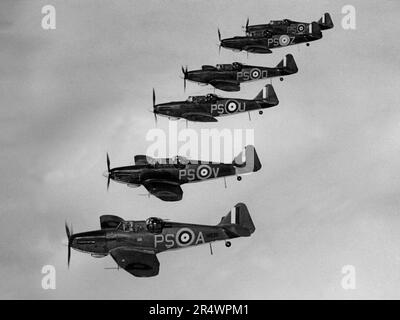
224 67
237 65
211 97
280 22
179 161
201 99
197 99
276 22
155 225
229 67
130 226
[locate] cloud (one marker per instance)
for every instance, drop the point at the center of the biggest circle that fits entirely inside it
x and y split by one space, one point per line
325 197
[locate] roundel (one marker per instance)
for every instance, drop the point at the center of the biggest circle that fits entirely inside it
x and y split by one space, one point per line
300 28
184 237
231 106
203 172
255 73
284 40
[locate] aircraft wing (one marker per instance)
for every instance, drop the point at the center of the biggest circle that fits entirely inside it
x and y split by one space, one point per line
138 262
225 85
198 116
164 189
257 49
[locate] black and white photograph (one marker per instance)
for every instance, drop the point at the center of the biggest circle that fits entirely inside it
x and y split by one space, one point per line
200 150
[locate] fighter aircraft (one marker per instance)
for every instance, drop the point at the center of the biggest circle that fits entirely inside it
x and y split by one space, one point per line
262 38
228 77
286 26
207 108
134 244
163 177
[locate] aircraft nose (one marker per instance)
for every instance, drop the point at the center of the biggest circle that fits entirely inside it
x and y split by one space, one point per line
227 42
164 109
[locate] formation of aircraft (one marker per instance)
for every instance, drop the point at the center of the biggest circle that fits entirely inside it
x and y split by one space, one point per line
134 245
262 38
163 177
228 77
208 107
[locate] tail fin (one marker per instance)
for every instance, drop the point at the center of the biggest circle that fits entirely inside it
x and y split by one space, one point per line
326 22
251 163
288 64
238 223
267 94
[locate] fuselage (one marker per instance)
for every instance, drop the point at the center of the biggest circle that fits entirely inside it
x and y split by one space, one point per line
180 173
246 73
134 234
214 108
263 44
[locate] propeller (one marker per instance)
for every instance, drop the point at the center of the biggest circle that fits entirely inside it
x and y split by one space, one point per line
219 37
185 72
69 233
154 107
108 171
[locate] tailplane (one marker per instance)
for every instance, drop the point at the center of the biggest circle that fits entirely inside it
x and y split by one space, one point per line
238 223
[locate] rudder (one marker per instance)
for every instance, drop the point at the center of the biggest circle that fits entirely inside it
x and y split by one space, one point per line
288 64
251 163
268 94
238 221
326 22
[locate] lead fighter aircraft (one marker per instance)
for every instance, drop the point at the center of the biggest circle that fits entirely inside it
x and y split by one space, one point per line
286 26
207 108
263 38
163 177
228 77
134 244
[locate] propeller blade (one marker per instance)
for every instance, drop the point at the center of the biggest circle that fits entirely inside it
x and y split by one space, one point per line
154 107
67 230
69 255
247 22
109 171
185 72
69 233
219 35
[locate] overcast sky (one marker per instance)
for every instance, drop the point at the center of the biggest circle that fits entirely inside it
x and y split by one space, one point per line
328 192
